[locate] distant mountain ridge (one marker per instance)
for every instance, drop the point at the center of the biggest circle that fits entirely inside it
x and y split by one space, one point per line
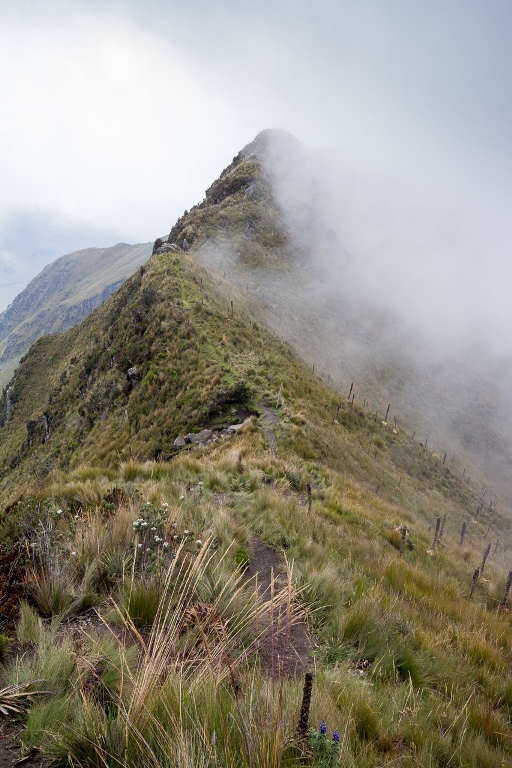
64 293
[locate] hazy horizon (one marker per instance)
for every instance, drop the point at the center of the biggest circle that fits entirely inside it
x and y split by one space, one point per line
119 117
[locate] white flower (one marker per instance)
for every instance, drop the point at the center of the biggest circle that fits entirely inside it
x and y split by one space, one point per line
144 524
139 546
148 549
153 528
58 512
73 554
199 543
165 545
181 498
148 503
186 533
33 545
175 537
165 504
199 483
157 539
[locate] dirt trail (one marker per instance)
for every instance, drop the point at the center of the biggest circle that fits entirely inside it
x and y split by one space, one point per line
281 647
269 421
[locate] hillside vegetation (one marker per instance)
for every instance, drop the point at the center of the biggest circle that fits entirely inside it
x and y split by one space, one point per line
162 604
62 295
266 224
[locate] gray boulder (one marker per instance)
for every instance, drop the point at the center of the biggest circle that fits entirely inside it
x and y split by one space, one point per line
199 437
133 373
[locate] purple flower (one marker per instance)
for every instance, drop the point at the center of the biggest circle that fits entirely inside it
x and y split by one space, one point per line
336 736
323 728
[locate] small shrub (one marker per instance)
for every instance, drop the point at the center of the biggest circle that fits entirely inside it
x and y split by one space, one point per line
242 558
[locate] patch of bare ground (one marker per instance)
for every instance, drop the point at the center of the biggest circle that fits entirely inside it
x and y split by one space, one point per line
285 645
10 753
269 420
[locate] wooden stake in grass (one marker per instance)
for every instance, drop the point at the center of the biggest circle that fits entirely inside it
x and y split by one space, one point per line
504 602
441 531
303 724
474 582
462 534
310 497
403 534
496 546
337 412
484 558
350 392
436 534
444 458
387 411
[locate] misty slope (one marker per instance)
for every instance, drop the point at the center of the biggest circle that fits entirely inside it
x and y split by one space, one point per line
64 293
410 663
198 365
265 224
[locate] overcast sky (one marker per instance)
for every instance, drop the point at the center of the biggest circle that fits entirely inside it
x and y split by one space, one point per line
116 116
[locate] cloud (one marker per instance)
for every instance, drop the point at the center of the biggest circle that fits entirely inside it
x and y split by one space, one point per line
102 124
117 116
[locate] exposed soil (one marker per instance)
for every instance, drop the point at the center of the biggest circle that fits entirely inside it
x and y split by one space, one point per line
284 646
269 421
10 751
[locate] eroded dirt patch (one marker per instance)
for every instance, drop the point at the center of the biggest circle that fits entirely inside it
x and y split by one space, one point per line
269 421
285 645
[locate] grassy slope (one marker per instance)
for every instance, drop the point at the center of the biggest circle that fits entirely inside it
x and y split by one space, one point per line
437 685
436 692
319 306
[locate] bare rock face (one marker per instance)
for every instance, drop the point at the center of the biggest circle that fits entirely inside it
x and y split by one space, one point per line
204 436
133 374
165 248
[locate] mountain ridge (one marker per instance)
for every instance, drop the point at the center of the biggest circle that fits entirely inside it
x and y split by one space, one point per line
64 293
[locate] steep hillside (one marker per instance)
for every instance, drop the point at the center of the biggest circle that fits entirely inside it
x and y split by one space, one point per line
63 294
262 225
163 465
